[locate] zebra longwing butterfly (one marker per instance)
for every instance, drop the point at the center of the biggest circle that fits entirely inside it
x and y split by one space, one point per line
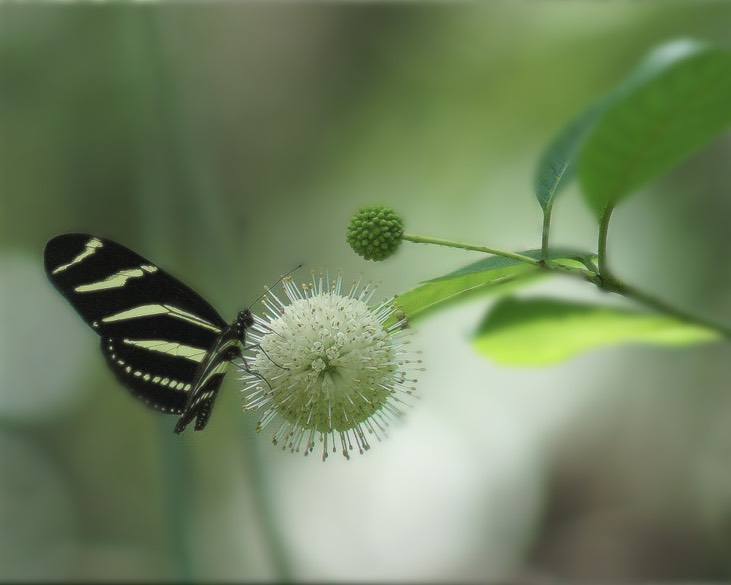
162 340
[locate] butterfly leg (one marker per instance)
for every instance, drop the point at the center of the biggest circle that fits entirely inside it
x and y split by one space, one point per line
261 349
258 375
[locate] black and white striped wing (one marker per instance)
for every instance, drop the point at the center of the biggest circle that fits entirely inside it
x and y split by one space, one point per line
208 379
157 335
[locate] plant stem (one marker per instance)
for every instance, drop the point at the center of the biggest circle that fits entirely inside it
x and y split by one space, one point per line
603 279
217 255
266 508
629 291
463 246
602 248
140 45
610 283
178 502
546 230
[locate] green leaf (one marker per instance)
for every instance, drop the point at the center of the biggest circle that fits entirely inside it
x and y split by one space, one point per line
540 331
557 165
674 103
494 274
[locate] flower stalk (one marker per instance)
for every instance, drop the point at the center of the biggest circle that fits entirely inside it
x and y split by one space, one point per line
464 246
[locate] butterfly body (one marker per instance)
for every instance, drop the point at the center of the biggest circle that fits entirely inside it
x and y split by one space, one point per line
165 343
212 370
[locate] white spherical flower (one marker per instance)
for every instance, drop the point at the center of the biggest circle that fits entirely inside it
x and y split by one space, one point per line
327 367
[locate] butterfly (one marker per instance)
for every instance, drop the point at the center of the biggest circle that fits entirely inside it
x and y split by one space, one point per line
164 342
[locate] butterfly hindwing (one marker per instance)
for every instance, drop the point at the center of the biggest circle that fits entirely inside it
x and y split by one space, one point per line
210 375
164 384
157 334
202 401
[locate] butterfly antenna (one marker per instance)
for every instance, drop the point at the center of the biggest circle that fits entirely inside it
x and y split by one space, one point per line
281 278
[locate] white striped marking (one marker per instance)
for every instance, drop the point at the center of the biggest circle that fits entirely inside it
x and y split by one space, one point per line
195 354
117 280
220 368
148 310
89 248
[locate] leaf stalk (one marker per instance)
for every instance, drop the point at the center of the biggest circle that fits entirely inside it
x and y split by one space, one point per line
601 278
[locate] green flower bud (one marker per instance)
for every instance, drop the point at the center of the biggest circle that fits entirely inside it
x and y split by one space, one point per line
375 233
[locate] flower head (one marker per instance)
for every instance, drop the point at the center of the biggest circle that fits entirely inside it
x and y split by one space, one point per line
375 233
327 368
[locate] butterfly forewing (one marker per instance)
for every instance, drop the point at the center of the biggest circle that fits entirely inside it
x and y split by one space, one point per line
101 278
157 333
210 375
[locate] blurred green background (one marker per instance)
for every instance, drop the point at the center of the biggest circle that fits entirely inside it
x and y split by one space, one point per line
230 142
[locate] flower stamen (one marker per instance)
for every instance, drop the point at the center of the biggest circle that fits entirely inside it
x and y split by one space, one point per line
332 366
